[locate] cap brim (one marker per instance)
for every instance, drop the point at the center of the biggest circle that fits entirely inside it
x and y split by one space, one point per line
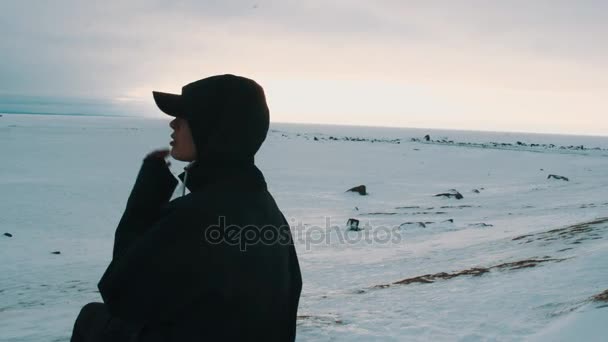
170 104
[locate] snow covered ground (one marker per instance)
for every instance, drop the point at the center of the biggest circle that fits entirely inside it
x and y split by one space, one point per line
518 258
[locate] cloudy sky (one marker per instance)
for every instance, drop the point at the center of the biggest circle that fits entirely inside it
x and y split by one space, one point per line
516 65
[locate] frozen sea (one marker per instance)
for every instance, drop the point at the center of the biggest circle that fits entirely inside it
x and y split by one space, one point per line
519 257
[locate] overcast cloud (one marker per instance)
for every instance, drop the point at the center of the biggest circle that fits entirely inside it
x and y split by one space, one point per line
506 65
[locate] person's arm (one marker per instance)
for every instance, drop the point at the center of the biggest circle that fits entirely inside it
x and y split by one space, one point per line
163 271
152 190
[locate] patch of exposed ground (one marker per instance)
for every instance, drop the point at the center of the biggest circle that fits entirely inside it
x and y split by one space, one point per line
316 319
602 297
475 271
574 234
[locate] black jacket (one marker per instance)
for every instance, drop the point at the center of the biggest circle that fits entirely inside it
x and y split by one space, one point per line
182 277
219 263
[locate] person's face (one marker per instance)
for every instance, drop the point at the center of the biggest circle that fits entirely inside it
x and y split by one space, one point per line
182 145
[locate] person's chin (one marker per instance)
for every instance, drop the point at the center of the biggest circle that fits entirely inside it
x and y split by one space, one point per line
175 154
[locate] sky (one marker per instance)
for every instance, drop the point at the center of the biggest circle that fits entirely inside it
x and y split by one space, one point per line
518 65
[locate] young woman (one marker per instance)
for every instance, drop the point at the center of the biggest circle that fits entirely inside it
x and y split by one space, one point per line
217 264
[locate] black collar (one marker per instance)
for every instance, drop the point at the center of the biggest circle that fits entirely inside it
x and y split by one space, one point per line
223 175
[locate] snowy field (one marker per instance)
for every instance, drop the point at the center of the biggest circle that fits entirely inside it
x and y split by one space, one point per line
519 257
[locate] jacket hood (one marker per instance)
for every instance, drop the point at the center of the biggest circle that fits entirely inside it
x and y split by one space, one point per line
228 116
229 120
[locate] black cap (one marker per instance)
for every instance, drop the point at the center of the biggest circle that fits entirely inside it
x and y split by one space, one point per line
170 104
228 115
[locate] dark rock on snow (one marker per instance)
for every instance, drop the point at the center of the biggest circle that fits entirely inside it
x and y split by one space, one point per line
420 224
56 252
8 234
381 213
481 225
361 189
452 193
430 213
558 177
353 224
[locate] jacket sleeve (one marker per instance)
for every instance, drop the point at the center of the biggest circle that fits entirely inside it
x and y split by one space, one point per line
161 273
152 190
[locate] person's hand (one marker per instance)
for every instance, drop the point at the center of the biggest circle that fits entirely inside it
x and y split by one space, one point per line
160 155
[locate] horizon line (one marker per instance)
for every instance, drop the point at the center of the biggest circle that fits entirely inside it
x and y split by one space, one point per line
313 123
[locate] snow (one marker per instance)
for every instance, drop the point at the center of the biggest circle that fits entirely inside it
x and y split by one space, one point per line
587 324
64 182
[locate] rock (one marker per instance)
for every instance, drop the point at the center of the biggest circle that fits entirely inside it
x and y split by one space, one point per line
8 234
56 252
381 213
357 208
453 193
361 189
476 191
316 139
353 224
420 224
429 213
481 225
450 221
558 177
455 206
427 138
